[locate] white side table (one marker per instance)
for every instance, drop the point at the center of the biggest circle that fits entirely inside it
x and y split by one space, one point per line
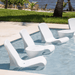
34 50
66 33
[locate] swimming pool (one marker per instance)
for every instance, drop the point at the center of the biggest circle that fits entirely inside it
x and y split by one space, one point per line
59 62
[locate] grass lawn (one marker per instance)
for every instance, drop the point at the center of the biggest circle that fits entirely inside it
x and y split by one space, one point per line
32 16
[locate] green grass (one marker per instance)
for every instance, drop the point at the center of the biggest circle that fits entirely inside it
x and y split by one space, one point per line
32 16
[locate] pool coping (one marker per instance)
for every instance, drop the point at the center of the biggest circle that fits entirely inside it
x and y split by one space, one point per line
7 72
10 31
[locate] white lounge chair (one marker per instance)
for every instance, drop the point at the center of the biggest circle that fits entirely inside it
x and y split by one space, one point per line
47 35
17 62
70 32
30 47
71 23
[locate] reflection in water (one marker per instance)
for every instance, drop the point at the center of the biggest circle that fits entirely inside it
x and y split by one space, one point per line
74 39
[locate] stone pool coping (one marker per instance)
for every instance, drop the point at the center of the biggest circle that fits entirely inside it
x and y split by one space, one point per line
10 31
7 72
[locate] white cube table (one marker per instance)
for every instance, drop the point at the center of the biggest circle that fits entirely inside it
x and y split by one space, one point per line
66 33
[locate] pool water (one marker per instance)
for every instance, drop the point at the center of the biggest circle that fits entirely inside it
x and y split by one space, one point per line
60 62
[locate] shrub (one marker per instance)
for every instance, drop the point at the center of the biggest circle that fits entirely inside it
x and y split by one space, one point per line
32 4
9 2
20 2
16 2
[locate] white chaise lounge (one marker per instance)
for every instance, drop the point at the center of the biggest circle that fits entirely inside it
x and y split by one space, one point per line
17 62
30 47
71 23
70 32
47 35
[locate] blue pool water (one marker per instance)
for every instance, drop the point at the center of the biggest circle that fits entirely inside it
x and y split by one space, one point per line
59 62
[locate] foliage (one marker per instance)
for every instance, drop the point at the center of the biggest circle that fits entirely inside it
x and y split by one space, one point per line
16 2
20 2
65 3
9 1
32 16
32 4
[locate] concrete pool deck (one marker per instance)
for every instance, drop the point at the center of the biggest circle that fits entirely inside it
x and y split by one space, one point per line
10 31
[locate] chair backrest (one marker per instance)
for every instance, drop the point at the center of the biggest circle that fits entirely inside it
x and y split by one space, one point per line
71 23
45 31
26 38
13 55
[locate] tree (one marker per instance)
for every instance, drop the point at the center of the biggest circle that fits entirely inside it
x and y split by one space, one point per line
58 9
31 4
6 4
70 6
17 2
20 2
